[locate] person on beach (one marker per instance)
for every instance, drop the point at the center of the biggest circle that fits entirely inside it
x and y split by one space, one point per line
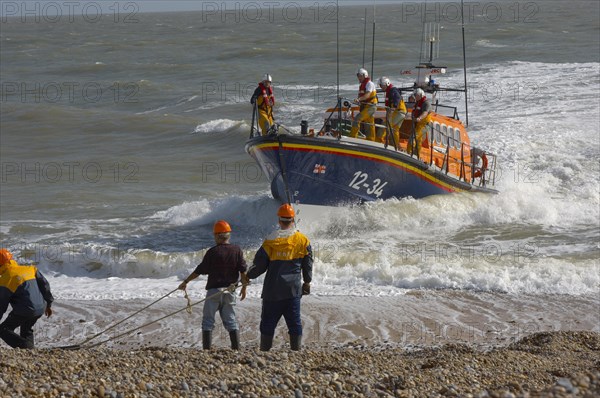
265 101
395 109
28 292
367 98
223 264
286 257
421 116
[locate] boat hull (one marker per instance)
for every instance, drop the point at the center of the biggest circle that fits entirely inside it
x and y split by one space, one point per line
330 172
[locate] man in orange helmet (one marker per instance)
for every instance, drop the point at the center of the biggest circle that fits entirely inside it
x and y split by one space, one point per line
286 257
28 292
223 264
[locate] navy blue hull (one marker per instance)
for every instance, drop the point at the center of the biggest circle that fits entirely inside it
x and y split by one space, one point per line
328 172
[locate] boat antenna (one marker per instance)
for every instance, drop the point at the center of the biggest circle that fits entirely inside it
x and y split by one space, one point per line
434 42
373 46
364 39
337 50
462 16
423 38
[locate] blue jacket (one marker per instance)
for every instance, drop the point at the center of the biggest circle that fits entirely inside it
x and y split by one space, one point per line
286 257
25 289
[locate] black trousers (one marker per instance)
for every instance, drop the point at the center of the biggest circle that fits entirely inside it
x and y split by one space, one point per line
25 337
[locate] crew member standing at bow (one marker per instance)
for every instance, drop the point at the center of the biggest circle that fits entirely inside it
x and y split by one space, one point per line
223 263
421 116
286 257
265 101
395 108
28 292
367 98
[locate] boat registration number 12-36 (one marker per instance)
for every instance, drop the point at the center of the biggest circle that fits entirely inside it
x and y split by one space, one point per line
361 181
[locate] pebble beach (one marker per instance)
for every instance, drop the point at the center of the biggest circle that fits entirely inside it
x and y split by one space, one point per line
558 364
430 344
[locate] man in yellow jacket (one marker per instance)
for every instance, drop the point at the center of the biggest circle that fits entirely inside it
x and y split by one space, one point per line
28 293
286 257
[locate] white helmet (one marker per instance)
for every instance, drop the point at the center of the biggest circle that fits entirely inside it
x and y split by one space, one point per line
384 81
363 72
419 92
267 78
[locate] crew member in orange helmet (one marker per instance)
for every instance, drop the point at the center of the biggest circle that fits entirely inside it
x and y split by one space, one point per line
286 257
28 293
223 263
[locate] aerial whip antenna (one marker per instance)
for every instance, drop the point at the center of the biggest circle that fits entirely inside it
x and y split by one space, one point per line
337 43
462 16
364 39
373 46
337 49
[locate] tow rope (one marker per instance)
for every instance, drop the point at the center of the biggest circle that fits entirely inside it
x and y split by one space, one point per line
231 288
189 302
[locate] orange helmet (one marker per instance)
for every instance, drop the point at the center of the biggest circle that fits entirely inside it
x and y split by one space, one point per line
5 257
221 227
286 212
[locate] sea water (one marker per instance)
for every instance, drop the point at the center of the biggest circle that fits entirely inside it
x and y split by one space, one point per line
122 142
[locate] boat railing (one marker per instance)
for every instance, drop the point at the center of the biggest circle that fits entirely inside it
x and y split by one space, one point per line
327 125
446 110
338 122
254 127
469 168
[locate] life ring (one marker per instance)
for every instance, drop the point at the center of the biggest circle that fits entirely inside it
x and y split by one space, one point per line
484 164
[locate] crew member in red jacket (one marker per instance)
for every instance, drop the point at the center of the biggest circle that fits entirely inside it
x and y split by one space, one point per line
421 116
265 101
367 100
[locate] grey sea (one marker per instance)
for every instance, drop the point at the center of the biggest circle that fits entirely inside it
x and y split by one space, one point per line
122 142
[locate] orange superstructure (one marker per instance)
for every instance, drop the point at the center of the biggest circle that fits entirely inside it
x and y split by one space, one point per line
446 145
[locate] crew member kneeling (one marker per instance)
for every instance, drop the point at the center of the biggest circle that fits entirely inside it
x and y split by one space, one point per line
28 293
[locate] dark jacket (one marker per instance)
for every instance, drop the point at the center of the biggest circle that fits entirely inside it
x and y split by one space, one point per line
223 264
392 97
286 257
25 289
